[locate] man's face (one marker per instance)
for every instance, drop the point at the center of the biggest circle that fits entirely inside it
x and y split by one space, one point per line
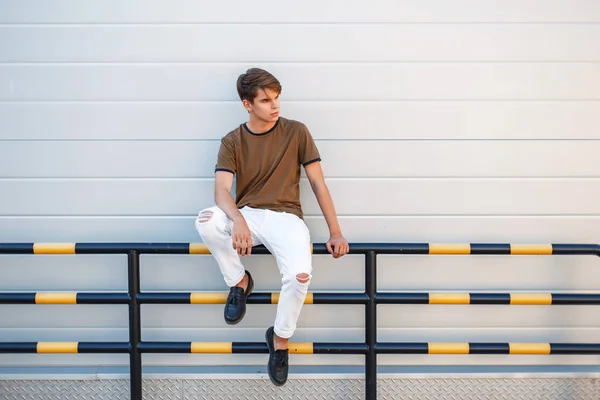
265 106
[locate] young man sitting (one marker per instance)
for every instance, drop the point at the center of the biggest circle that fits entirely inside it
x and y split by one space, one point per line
266 154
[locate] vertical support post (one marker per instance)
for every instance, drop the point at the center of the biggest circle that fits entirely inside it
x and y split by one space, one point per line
135 358
371 324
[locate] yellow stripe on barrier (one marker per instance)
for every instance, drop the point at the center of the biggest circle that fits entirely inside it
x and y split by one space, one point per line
308 300
531 249
300 348
198 248
54 248
529 348
211 347
449 298
208 298
57 347
56 298
451 248
531 298
312 250
448 348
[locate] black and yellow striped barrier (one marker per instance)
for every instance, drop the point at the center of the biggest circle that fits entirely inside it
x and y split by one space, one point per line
251 347
64 298
381 348
311 298
64 347
489 298
488 348
355 248
370 298
383 298
254 298
465 348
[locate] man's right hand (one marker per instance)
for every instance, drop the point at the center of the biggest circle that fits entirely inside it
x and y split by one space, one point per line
241 237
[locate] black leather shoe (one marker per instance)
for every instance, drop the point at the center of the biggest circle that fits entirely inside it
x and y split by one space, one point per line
235 307
278 361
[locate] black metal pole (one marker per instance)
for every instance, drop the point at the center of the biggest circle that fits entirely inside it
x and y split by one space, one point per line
371 324
135 358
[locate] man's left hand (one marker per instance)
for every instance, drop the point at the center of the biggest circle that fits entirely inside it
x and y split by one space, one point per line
337 246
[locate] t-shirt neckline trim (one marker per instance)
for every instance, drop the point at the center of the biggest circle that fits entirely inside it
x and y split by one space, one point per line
264 133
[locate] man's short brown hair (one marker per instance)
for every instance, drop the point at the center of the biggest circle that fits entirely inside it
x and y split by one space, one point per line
253 80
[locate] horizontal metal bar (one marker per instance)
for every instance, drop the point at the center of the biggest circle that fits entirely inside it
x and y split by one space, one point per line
16 248
18 347
402 348
488 348
165 347
341 348
254 298
575 348
562 249
63 298
575 299
318 248
64 347
489 298
250 347
142 248
489 248
17 298
402 298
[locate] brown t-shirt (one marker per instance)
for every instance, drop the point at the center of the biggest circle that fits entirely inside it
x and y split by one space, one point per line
267 165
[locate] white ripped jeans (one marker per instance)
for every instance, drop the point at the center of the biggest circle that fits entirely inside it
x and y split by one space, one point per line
284 235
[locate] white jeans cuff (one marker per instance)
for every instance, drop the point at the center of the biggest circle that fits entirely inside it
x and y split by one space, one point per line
283 334
233 282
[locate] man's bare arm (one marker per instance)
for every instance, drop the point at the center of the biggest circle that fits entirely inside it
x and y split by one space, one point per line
223 198
337 244
241 237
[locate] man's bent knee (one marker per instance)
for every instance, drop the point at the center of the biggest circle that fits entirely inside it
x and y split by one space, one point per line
205 216
303 278
205 224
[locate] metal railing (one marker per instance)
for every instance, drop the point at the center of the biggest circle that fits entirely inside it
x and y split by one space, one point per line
370 298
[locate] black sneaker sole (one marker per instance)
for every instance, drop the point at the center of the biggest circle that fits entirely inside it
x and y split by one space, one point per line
249 290
269 339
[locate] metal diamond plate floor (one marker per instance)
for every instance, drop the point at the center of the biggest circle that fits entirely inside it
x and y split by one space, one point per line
337 389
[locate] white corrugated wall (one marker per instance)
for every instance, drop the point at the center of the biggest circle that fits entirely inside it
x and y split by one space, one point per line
438 121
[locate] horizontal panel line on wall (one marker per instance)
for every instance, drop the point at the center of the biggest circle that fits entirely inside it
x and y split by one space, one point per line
319 101
286 23
336 140
327 178
350 101
243 64
412 100
305 180
308 216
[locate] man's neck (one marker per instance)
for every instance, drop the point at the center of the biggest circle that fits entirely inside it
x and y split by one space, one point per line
259 126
